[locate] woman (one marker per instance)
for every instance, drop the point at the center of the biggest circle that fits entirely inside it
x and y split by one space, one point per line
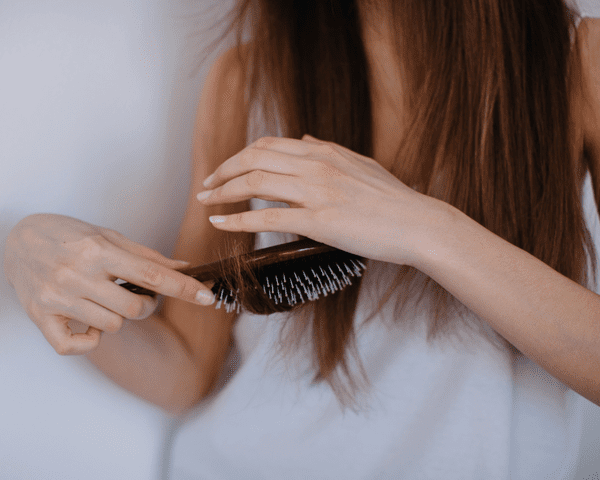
439 148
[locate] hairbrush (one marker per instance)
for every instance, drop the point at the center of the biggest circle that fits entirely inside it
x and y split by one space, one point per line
275 279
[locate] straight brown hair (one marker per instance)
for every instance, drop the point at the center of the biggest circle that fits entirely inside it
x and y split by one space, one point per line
487 86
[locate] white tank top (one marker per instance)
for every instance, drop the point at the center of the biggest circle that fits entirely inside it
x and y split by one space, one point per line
453 412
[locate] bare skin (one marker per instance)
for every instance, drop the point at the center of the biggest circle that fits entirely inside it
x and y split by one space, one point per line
353 203
63 269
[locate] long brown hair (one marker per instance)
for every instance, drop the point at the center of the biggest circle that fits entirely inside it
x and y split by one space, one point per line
487 89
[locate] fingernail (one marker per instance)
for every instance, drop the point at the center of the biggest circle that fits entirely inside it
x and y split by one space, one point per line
205 298
202 195
208 180
216 219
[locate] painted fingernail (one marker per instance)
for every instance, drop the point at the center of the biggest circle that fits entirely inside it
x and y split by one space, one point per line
205 298
208 180
202 195
216 219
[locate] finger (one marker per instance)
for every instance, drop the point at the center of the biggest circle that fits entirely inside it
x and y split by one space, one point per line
341 148
351 154
80 309
262 149
290 146
286 161
256 184
122 302
289 220
95 315
309 138
56 330
143 251
158 278
97 302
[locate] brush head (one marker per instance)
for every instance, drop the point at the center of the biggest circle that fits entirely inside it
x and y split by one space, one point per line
284 286
275 279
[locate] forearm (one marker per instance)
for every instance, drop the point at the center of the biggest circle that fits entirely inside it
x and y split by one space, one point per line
148 358
551 319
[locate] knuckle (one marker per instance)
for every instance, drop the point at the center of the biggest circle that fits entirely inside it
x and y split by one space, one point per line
151 253
272 216
255 178
135 308
265 142
152 276
94 344
326 149
218 193
238 221
91 248
179 289
63 274
47 295
327 170
247 158
36 311
63 348
314 166
111 232
113 324
33 310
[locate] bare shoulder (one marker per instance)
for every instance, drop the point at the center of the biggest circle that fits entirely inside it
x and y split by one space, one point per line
590 25
588 34
219 133
222 111
588 41
589 44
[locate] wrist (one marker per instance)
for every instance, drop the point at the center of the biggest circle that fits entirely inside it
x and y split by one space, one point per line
439 226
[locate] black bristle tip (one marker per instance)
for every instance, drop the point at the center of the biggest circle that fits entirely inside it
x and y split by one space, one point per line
284 286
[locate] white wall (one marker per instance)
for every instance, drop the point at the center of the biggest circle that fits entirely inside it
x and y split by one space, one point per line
589 8
96 112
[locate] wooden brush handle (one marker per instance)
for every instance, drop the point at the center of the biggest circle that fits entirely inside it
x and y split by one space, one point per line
255 260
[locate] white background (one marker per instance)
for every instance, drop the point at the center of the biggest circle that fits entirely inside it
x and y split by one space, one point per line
97 101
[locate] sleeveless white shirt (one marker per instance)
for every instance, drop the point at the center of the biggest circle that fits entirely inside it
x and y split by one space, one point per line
452 411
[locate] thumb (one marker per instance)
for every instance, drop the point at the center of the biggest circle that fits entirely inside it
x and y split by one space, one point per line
130 246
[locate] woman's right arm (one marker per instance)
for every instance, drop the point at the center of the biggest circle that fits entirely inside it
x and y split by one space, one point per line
183 348
64 269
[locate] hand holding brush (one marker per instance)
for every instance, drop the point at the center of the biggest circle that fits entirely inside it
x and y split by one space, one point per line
333 193
275 279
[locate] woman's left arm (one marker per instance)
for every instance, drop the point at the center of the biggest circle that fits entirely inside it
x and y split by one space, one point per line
351 202
551 319
589 46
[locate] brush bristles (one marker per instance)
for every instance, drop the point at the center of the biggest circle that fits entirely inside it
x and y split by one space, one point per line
263 282
284 286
